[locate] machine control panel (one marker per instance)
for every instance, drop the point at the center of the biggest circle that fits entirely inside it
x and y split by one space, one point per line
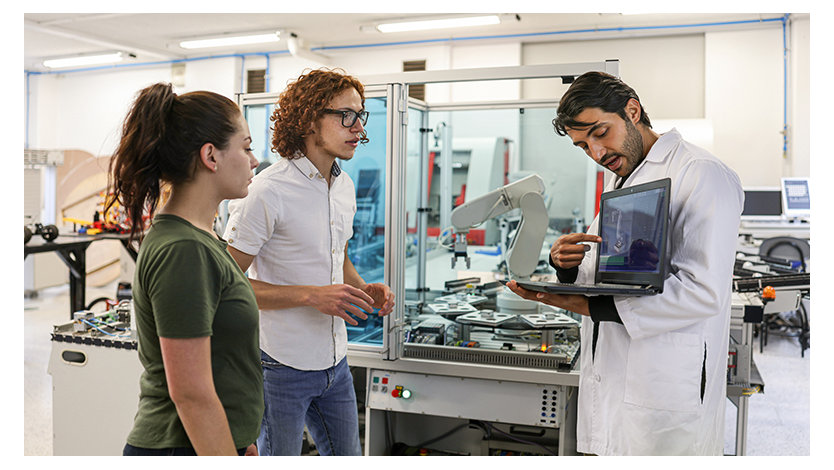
461 397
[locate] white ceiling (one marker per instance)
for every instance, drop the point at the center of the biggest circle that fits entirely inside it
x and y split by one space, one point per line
155 36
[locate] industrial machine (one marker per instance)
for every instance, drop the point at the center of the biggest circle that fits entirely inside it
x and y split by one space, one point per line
95 372
525 194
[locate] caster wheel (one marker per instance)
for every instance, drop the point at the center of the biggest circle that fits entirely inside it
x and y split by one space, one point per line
50 232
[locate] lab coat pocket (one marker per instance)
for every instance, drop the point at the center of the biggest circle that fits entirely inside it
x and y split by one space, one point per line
663 372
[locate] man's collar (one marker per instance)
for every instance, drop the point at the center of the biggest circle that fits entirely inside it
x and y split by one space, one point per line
309 170
663 145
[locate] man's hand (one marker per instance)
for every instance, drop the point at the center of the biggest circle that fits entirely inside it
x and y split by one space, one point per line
338 299
251 451
383 297
573 302
568 251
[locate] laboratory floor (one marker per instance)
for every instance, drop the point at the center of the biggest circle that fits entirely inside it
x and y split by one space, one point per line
778 421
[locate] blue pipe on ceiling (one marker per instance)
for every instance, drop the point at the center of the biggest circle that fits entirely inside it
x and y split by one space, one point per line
783 19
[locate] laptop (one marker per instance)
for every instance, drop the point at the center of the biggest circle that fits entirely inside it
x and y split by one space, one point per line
630 259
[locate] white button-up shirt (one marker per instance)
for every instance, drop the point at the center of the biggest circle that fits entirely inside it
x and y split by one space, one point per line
297 229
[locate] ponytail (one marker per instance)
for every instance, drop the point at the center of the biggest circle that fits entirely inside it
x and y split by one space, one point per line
161 139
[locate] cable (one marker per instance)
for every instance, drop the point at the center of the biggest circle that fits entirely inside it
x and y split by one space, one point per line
442 436
519 439
100 299
441 238
99 329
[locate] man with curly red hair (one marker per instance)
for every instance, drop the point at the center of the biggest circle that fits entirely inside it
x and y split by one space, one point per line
291 234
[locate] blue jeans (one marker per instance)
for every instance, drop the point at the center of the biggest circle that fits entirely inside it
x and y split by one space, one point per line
324 400
131 451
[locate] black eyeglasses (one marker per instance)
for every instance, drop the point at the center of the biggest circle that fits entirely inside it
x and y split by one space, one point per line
350 116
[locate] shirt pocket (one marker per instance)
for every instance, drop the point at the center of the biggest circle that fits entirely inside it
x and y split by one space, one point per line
663 372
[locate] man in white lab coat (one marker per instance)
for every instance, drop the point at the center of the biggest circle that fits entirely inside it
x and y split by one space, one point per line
652 369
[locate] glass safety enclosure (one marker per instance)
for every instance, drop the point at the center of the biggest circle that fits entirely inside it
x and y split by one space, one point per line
427 157
445 154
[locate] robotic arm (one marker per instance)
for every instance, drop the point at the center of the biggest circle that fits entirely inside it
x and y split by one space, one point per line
525 194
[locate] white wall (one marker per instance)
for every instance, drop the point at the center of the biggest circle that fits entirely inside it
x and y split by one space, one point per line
799 160
667 72
744 82
732 78
85 110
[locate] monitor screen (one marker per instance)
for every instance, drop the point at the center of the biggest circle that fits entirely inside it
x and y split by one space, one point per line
796 197
762 203
632 231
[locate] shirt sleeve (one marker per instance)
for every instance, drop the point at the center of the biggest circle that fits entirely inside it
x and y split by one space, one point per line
603 308
252 219
567 276
184 290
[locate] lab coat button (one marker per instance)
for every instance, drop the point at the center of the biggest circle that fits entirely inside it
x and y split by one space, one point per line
597 377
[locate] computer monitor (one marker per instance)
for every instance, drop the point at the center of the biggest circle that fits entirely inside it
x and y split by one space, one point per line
762 203
796 197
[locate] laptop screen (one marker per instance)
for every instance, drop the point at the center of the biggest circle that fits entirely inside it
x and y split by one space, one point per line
632 225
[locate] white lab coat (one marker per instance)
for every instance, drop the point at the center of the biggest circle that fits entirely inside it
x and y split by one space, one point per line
641 393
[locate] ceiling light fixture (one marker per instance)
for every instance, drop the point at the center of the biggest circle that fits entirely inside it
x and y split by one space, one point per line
442 23
93 59
220 41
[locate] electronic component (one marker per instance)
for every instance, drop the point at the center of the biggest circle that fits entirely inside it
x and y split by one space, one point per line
105 330
79 325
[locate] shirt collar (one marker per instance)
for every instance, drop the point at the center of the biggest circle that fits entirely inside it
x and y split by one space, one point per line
662 148
309 170
664 145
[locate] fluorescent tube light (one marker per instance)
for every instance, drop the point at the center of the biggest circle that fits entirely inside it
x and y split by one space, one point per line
438 24
231 40
108 58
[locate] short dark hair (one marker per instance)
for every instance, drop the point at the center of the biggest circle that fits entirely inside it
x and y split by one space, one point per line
595 90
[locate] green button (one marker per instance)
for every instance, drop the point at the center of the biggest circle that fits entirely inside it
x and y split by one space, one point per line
376 380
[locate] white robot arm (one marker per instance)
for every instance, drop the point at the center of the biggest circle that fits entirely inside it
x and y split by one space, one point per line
525 194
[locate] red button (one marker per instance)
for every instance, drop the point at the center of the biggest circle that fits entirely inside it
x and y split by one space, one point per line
385 380
395 393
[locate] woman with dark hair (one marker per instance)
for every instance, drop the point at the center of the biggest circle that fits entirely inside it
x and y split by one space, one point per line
196 315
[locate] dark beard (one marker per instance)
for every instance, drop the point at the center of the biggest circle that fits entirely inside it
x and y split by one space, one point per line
632 147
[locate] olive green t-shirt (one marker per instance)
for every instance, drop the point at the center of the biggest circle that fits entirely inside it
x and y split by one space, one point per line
186 285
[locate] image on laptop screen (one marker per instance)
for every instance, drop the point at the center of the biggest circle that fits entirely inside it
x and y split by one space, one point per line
632 232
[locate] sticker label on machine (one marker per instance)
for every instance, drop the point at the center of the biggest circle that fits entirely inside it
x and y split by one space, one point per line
459 397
